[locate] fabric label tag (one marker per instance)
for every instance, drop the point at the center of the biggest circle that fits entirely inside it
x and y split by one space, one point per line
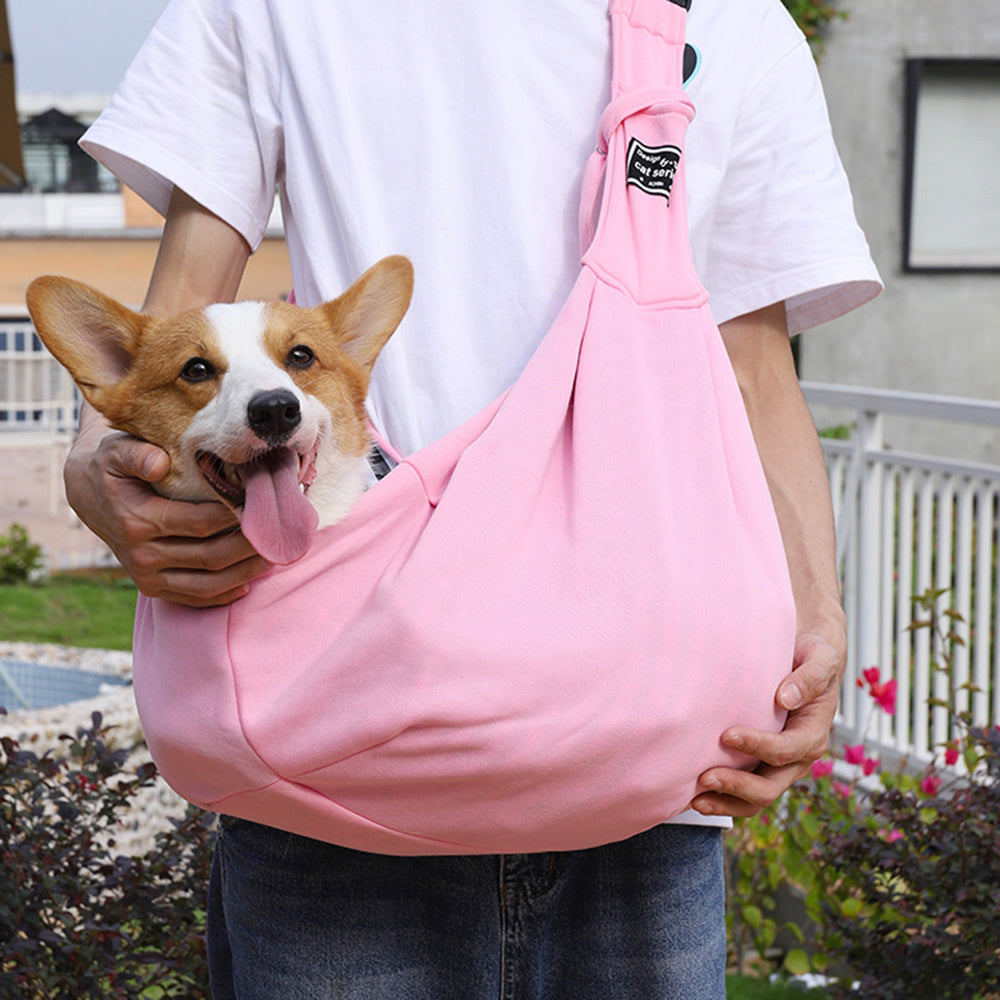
652 168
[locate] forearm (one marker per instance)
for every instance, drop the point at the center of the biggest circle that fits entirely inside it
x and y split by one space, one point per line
201 260
793 463
796 474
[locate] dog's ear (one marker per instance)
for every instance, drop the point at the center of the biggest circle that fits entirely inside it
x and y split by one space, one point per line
367 314
90 334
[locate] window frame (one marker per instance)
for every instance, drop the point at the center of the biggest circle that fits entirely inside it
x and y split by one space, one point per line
916 69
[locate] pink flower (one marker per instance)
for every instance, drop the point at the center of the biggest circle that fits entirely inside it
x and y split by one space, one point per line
930 784
884 694
822 768
891 836
951 754
856 755
842 788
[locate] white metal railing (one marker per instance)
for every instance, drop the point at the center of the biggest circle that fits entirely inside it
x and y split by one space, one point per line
37 399
907 523
36 392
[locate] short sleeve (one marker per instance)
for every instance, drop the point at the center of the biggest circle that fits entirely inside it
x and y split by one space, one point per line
197 109
784 227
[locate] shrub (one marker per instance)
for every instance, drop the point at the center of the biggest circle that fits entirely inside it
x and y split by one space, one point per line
924 867
20 558
77 921
899 871
812 16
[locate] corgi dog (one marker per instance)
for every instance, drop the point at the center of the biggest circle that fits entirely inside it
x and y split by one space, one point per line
259 404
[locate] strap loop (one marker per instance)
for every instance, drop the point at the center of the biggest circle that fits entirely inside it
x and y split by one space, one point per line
647 99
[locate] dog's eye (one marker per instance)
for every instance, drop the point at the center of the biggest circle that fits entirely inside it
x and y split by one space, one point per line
198 370
300 357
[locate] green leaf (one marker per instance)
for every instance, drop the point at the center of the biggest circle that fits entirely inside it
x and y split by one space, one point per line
775 874
797 962
766 935
811 824
928 814
752 916
850 908
794 929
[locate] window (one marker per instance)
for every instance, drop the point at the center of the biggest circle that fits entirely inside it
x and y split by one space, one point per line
54 162
951 208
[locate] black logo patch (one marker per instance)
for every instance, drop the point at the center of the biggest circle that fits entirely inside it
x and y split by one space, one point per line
652 168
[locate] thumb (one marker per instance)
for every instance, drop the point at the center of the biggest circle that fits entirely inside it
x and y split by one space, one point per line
818 667
131 458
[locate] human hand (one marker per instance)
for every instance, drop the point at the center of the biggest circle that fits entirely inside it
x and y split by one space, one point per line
188 553
810 694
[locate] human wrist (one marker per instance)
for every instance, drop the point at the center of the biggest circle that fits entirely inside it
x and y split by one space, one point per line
826 619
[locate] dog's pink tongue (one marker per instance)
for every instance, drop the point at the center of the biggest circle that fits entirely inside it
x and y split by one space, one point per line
278 521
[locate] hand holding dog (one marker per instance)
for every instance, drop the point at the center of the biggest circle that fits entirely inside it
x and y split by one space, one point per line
189 553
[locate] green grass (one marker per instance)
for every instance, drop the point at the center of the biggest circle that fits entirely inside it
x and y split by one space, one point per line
750 988
95 611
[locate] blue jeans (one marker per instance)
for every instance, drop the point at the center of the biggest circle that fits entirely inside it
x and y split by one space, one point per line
296 919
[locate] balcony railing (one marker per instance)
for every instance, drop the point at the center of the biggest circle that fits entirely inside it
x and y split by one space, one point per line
37 395
908 524
37 400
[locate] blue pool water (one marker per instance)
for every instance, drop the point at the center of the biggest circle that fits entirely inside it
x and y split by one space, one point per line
36 685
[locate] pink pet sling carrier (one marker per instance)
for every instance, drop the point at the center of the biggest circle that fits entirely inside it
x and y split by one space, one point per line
522 639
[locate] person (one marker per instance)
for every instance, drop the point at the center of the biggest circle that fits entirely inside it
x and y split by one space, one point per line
456 133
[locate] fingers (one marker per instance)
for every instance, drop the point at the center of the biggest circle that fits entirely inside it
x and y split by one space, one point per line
130 458
785 757
106 477
146 517
729 792
193 571
810 694
206 589
804 738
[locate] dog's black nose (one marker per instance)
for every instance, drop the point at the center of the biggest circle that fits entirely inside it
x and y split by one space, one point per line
274 415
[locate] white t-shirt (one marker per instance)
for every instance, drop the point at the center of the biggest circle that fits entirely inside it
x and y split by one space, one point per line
456 133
